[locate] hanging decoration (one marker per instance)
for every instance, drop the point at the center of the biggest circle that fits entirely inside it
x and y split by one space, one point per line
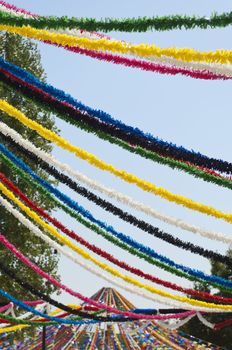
138 223
145 334
103 253
140 24
212 279
125 326
97 162
127 133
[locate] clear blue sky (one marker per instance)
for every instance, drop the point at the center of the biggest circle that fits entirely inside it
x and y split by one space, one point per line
193 113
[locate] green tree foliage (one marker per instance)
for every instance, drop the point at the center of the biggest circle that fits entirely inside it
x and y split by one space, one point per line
25 53
196 328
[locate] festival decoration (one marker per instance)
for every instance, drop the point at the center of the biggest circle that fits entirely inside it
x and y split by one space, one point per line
142 50
214 280
129 218
97 162
127 133
136 335
141 24
102 265
94 126
163 65
44 159
196 273
107 320
103 253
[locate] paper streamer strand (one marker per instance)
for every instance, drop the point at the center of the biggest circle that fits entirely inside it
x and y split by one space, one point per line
16 9
126 239
143 50
67 113
27 286
163 65
140 24
102 265
120 213
77 311
135 136
97 162
104 254
45 275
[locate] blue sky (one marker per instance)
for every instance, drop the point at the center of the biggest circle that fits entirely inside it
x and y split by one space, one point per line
188 112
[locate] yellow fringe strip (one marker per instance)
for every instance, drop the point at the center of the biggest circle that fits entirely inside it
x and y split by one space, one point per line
142 50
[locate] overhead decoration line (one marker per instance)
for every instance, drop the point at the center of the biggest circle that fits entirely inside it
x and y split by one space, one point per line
102 265
111 239
163 65
141 224
135 136
67 113
122 237
104 254
143 50
140 24
52 280
97 162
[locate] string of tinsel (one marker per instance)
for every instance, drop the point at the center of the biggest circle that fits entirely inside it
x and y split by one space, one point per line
126 239
27 223
38 313
104 234
140 24
104 254
122 174
142 50
16 9
117 211
90 301
63 240
140 138
163 65
66 112
34 291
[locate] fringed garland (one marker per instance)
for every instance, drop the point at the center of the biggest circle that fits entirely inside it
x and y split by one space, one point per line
140 24
193 69
104 234
67 113
103 253
63 240
142 50
124 238
98 163
133 136
129 134
120 213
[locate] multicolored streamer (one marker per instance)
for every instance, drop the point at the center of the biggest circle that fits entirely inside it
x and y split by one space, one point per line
68 254
45 160
67 112
122 237
95 161
143 50
104 266
131 135
162 64
124 215
103 253
75 311
52 280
